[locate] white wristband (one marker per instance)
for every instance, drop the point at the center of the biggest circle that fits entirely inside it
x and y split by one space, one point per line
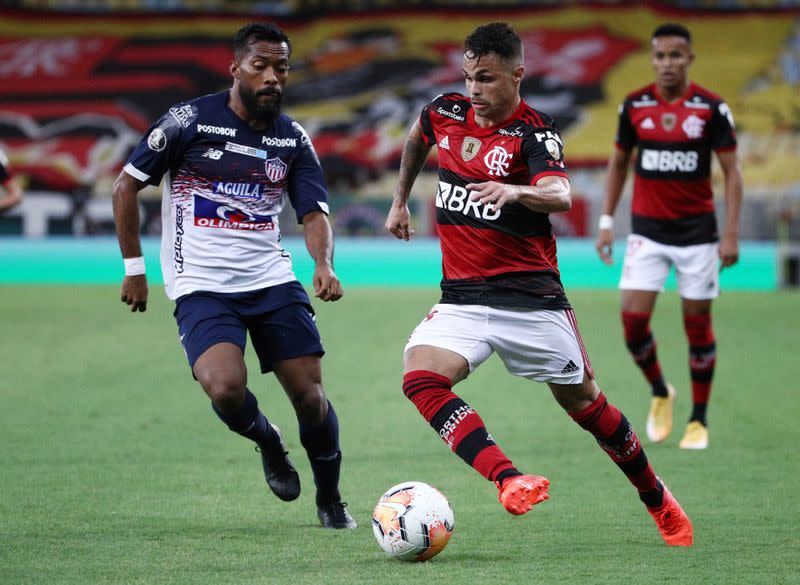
134 266
606 222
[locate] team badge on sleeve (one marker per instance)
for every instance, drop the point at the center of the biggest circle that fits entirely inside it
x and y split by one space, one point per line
726 111
553 148
157 140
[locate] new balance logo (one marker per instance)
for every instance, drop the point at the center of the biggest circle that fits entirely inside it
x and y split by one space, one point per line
445 143
569 368
648 123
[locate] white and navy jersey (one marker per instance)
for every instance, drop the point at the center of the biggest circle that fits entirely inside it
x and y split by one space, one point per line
493 257
224 186
672 200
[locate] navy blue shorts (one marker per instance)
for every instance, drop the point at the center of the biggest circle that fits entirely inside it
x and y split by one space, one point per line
280 321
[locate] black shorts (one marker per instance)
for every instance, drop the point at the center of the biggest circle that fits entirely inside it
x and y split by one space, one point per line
280 321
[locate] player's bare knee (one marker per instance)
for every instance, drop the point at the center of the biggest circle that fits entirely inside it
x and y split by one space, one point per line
226 390
310 404
575 397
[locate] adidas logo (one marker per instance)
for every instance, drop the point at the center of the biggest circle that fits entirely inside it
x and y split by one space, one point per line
445 143
569 368
647 123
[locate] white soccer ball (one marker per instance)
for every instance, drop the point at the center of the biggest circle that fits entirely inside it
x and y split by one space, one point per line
413 521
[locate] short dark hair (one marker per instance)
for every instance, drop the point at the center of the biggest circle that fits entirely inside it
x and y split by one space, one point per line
497 37
254 31
673 29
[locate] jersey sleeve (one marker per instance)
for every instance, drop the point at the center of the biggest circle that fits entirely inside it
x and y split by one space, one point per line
307 189
543 150
722 131
426 125
160 149
626 133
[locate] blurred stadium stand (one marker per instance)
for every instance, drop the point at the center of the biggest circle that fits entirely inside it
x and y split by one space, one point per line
80 81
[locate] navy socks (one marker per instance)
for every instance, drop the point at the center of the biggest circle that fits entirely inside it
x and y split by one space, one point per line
321 442
248 421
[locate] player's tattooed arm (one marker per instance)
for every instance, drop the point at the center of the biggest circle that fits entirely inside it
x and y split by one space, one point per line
415 153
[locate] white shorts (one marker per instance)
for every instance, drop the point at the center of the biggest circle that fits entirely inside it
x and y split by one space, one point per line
647 265
544 346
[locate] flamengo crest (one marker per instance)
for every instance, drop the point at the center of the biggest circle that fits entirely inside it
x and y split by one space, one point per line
276 169
693 127
497 161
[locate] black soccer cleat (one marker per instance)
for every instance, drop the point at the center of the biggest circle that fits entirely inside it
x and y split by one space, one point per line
281 476
335 515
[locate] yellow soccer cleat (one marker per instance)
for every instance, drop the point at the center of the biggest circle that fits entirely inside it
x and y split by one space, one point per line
695 437
659 419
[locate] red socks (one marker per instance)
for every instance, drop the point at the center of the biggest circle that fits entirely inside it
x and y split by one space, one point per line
456 422
642 346
702 359
616 437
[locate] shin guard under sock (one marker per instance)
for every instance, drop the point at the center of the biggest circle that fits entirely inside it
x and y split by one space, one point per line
457 424
248 421
321 442
642 346
702 360
616 437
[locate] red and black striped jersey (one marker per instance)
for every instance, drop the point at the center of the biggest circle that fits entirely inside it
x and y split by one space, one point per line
493 257
672 199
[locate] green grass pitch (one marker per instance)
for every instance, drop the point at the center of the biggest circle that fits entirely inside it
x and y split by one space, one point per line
114 470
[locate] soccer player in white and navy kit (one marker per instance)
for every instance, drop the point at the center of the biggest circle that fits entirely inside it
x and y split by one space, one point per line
501 172
229 163
674 125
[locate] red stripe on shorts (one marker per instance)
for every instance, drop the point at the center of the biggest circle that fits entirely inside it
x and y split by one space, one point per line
587 365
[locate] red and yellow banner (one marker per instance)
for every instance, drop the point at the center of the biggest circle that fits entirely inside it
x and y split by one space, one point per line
76 92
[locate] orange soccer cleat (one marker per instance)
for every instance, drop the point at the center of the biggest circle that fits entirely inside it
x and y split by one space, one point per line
673 523
520 493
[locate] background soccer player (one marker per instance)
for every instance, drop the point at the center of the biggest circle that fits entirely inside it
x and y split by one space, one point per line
229 162
11 194
501 173
675 125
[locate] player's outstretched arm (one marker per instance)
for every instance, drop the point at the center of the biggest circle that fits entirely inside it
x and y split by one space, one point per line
126 218
319 241
615 180
729 243
415 153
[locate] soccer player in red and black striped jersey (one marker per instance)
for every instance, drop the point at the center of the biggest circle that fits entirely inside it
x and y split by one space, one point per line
674 125
501 172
